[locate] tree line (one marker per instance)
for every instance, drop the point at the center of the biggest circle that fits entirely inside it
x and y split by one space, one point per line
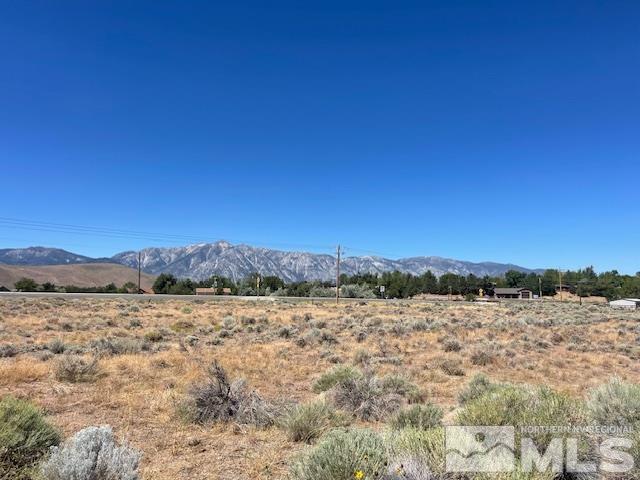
583 282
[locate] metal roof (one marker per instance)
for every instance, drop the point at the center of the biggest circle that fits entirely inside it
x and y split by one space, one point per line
507 291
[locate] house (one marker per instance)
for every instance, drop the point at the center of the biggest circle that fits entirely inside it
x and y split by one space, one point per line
628 303
519 293
212 291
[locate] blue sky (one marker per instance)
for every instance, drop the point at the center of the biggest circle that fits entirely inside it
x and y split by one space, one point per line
505 131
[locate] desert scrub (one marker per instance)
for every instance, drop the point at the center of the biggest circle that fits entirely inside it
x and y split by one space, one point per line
309 421
8 350
365 397
75 369
452 367
220 400
154 336
452 345
57 346
402 386
92 454
343 455
118 346
420 417
615 403
338 374
481 358
478 386
522 406
25 437
416 454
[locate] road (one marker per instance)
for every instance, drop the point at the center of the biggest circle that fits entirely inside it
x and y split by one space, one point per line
160 298
145 297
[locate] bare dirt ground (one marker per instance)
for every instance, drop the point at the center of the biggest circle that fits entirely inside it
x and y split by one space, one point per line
151 352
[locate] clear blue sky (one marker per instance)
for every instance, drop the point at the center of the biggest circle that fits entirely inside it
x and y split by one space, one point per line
505 131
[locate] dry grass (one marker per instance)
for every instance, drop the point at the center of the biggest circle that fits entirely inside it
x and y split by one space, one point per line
281 348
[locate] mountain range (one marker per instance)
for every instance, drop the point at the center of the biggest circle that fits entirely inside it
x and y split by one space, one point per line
201 261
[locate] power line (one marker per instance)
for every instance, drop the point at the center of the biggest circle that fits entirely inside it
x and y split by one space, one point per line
85 230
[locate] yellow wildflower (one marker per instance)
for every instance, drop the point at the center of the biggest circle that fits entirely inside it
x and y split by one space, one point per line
358 475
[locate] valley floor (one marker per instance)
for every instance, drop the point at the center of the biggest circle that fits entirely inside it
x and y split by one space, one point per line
150 353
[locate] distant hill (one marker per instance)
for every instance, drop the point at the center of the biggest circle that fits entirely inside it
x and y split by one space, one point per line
43 256
201 261
82 275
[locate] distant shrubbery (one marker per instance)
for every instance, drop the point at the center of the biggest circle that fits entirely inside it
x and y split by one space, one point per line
30 285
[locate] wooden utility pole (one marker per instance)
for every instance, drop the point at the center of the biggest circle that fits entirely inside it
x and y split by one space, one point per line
139 269
540 286
258 285
560 278
337 274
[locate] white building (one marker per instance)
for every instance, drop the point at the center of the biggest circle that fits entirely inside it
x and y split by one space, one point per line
630 303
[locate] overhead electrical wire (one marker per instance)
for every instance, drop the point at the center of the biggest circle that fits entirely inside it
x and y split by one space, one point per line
85 230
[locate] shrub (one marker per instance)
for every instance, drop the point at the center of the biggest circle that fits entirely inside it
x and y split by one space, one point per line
356 291
118 346
286 332
343 455
154 336
416 454
329 379
361 357
25 437
477 387
365 397
421 417
522 406
57 346
481 358
220 400
73 368
402 386
615 403
8 350
307 422
182 326
452 367
92 454
452 346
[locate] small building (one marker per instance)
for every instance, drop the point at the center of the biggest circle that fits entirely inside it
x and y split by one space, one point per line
627 303
212 291
516 293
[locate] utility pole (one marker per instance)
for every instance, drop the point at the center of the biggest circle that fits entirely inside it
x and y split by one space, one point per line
540 286
560 278
338 274
258 284
450 292
139 268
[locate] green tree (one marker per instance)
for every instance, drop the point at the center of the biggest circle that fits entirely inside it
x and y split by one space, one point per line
129 287
182 287
26 285
164 282
515 278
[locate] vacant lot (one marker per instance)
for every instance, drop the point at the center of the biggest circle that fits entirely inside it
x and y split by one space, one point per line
150 355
